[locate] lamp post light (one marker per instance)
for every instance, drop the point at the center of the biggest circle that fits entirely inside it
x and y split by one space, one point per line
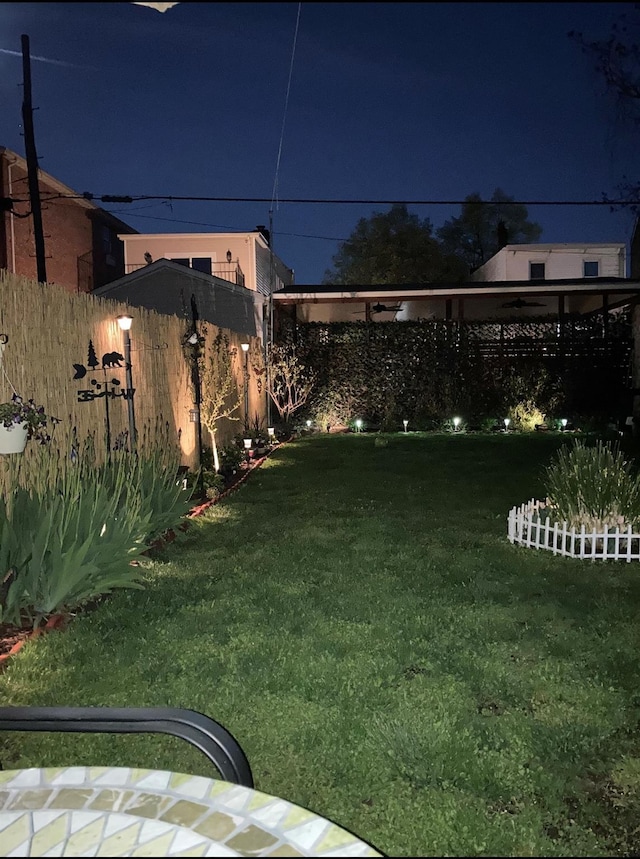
245 349
406 424
124 321
247 447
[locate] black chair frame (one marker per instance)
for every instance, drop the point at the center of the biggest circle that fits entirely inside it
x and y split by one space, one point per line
207 735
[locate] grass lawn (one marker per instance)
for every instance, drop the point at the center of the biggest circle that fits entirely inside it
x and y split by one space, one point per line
356 617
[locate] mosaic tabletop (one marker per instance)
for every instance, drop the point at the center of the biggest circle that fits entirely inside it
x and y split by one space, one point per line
115 811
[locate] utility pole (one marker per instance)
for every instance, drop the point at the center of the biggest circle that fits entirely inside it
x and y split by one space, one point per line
32 162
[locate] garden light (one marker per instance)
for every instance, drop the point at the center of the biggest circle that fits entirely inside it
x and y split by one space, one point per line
271 431
406 423
245 349
456 424
507 421
564 424
124 321
247 447
358 424
308 424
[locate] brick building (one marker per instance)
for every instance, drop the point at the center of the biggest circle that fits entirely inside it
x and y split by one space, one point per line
82 247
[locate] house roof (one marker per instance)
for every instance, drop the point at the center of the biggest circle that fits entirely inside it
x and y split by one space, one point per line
166 287
83 202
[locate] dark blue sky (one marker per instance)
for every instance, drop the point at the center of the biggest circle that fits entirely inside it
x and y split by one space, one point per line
397 101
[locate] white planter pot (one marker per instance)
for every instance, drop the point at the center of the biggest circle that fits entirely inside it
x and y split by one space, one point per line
13 439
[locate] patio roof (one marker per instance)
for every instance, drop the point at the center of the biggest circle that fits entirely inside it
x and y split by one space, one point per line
330 293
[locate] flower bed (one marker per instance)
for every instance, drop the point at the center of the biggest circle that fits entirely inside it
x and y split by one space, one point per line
530 525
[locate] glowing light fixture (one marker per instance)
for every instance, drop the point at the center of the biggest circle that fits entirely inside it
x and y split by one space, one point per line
308 424
271 431
507 421
247 443
358 424
564 423
456 424
406 424
124 321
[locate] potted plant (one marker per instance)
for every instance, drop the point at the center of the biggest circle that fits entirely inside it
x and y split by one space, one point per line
21 420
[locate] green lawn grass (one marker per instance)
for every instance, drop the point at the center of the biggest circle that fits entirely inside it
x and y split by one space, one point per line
356 617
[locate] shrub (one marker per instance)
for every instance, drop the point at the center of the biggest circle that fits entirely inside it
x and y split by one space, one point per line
593 486
71 537
525 416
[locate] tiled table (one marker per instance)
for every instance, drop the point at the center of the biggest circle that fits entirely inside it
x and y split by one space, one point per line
111 811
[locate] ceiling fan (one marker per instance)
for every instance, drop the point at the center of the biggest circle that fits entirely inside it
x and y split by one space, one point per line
381 308
520 302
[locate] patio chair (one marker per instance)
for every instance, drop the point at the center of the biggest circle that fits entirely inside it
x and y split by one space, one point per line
222 749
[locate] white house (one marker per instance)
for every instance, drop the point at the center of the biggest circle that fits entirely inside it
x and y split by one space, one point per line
555 262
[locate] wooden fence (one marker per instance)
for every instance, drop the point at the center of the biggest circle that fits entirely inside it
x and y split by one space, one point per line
527 527
48 358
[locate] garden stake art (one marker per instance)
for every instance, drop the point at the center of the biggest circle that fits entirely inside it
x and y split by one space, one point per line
108 389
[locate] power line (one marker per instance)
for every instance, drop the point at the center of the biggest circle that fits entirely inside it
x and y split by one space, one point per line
286 104
114 198
218 226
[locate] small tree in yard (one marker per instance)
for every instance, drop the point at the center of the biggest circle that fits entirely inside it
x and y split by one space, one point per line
290 382
220 396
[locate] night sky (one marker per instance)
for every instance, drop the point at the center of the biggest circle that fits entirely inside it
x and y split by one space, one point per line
386 101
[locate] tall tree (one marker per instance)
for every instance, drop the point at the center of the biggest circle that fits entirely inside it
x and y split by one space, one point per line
617 61
483 227
390 248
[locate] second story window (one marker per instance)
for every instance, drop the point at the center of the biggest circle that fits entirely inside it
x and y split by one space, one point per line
202 264
536 270
590 268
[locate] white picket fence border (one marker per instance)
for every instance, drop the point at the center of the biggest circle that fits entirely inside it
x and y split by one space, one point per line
527 528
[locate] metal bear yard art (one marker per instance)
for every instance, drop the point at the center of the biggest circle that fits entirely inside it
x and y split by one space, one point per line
112 359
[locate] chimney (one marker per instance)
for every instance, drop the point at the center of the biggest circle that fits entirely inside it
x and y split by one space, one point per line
503 235
265 233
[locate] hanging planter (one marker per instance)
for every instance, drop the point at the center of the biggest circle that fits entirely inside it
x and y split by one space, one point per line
13 439
21 420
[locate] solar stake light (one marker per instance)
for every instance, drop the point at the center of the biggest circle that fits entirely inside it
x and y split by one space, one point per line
564 424
406 424
507 421
308 424
456 424
271 431
358 424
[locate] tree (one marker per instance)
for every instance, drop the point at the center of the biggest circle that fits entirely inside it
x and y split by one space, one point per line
290 381
220 397
617 61
390 248
484 227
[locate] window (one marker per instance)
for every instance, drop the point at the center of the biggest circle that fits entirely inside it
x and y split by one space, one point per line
202 264
536 271
590 268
